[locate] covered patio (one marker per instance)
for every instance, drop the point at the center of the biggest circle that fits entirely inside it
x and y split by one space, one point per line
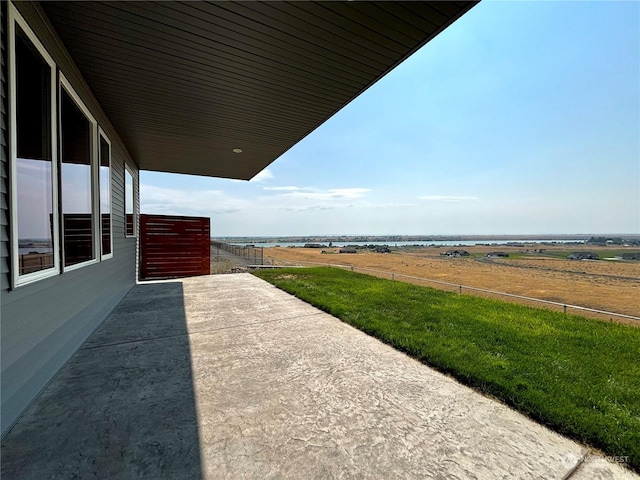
228 377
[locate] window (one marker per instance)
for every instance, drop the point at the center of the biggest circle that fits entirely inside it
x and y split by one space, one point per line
33 155
105 195
77 136
60 167
129 203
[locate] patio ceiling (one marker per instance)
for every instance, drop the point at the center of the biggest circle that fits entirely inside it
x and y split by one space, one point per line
185 83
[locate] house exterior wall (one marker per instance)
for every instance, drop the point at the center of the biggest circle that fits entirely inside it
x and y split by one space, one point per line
4 155
43 323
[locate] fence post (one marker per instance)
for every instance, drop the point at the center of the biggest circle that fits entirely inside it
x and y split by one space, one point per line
460 290
393 276
352 268
564 309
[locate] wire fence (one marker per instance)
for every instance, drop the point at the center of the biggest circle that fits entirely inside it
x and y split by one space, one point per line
454 287
250 254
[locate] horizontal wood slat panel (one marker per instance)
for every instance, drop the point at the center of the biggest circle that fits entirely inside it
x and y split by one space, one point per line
174 246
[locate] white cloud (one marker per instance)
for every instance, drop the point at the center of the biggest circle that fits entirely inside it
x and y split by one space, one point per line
330 194
168 201
283 189
446 198
292 198
263 176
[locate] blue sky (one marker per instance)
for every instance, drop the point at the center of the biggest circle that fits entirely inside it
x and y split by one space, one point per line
521 118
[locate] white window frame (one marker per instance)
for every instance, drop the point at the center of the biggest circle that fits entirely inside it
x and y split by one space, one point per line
18 280
134 181
95 188
102 134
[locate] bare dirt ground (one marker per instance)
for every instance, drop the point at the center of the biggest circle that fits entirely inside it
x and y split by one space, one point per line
612 286
225 262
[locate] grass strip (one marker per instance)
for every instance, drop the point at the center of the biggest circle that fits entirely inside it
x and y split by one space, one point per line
579 376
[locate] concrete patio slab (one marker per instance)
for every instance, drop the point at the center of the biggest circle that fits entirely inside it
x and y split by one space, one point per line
595 467
228 377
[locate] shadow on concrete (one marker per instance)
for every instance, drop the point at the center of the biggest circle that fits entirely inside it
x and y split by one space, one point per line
123 406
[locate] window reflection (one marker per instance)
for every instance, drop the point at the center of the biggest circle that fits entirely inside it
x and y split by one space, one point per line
33 100
34 175
35 215
105 195
77 213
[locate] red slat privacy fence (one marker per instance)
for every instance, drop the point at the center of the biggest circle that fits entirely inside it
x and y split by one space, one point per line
173 246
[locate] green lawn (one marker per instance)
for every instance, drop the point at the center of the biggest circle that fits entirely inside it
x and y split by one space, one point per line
579 376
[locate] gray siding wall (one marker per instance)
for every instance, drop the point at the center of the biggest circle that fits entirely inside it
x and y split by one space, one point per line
44 323
4 155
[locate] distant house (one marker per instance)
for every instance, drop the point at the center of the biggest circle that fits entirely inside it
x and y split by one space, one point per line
583 256
348 250
497 255
455 253
382 249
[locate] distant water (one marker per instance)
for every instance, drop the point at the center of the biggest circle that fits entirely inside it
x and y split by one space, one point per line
443 243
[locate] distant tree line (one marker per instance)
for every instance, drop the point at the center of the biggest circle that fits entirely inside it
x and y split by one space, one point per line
612 241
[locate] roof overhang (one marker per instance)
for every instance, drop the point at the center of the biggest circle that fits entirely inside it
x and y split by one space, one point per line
185 83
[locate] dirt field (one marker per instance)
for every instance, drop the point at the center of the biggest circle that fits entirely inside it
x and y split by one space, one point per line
612 286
